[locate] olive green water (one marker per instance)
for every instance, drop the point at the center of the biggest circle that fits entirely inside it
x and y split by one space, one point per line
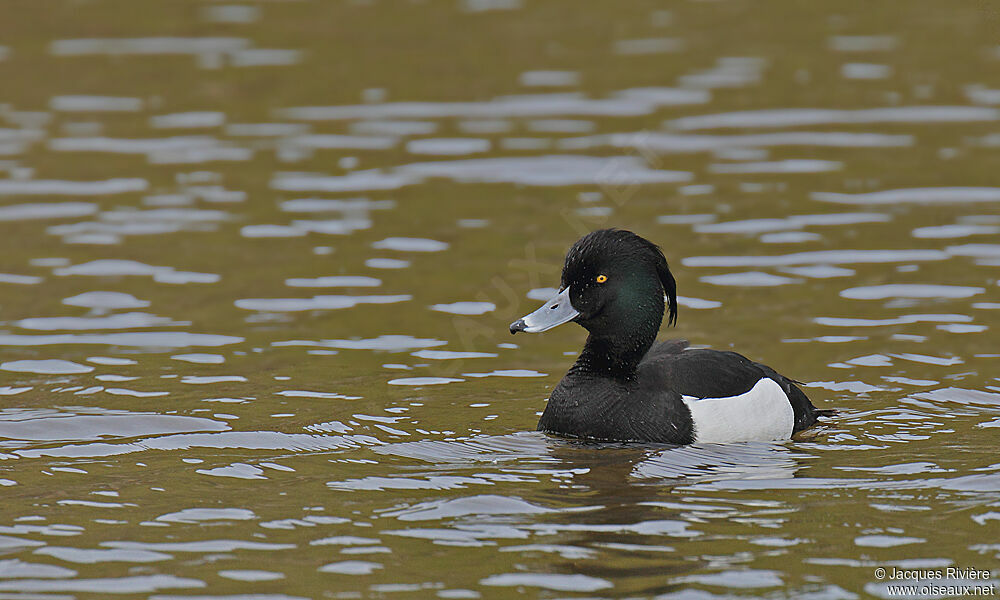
309 224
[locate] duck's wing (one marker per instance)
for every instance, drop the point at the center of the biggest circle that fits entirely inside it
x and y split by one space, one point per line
664 348
724 379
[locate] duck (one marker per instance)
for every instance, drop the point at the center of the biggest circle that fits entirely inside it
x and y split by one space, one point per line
626 386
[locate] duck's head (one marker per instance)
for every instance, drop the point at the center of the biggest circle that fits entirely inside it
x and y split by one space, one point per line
612 282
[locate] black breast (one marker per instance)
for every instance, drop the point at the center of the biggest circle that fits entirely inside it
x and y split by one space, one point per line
587 406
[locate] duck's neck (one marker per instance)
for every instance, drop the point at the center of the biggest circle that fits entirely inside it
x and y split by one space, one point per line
615 356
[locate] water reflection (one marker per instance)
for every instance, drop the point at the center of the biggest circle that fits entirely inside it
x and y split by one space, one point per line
259 313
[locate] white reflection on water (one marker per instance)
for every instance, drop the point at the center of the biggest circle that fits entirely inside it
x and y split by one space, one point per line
203 546
264 57
448 146
137 584
508 373
79 103
560 126
518 144
20 279
386 263
465 308
265 129
117 321
865 71
325 395
749 279
777 166
202 359
685 219
391 343
737 578
13 391
938 195
451 354
94 424
351 567
624 104
794 117
52 187
52 210
250 575
206 379
352 182
862 43
344 540
484 126
134 393
105 300
113 267
954 231
341 204
901 320
151 339
316 302
981 94
91 556
790 237
478 6
791 222
341 142
51 366
408 244
654 141
818 257
394 128
109 360
152 147
976 250
728 72
551 170
647 46
549 78
418 381
697 303
819 271
200 515
334 281
146 45
245 440
210 51
543 171
913 290
486 504
541 293
188 120
271 231
549 581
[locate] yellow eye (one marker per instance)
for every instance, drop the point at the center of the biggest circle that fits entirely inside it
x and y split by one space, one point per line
602 278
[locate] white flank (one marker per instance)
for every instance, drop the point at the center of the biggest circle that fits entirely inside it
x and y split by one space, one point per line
763 413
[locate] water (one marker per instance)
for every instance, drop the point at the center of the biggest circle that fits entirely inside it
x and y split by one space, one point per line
259 262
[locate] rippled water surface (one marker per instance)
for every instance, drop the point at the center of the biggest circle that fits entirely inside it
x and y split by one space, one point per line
259 261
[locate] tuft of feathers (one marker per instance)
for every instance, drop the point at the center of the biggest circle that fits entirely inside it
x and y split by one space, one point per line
622 245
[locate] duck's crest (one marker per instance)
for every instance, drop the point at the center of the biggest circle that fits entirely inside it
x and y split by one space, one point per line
620 245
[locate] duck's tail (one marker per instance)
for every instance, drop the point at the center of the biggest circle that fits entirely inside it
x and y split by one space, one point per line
826 412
